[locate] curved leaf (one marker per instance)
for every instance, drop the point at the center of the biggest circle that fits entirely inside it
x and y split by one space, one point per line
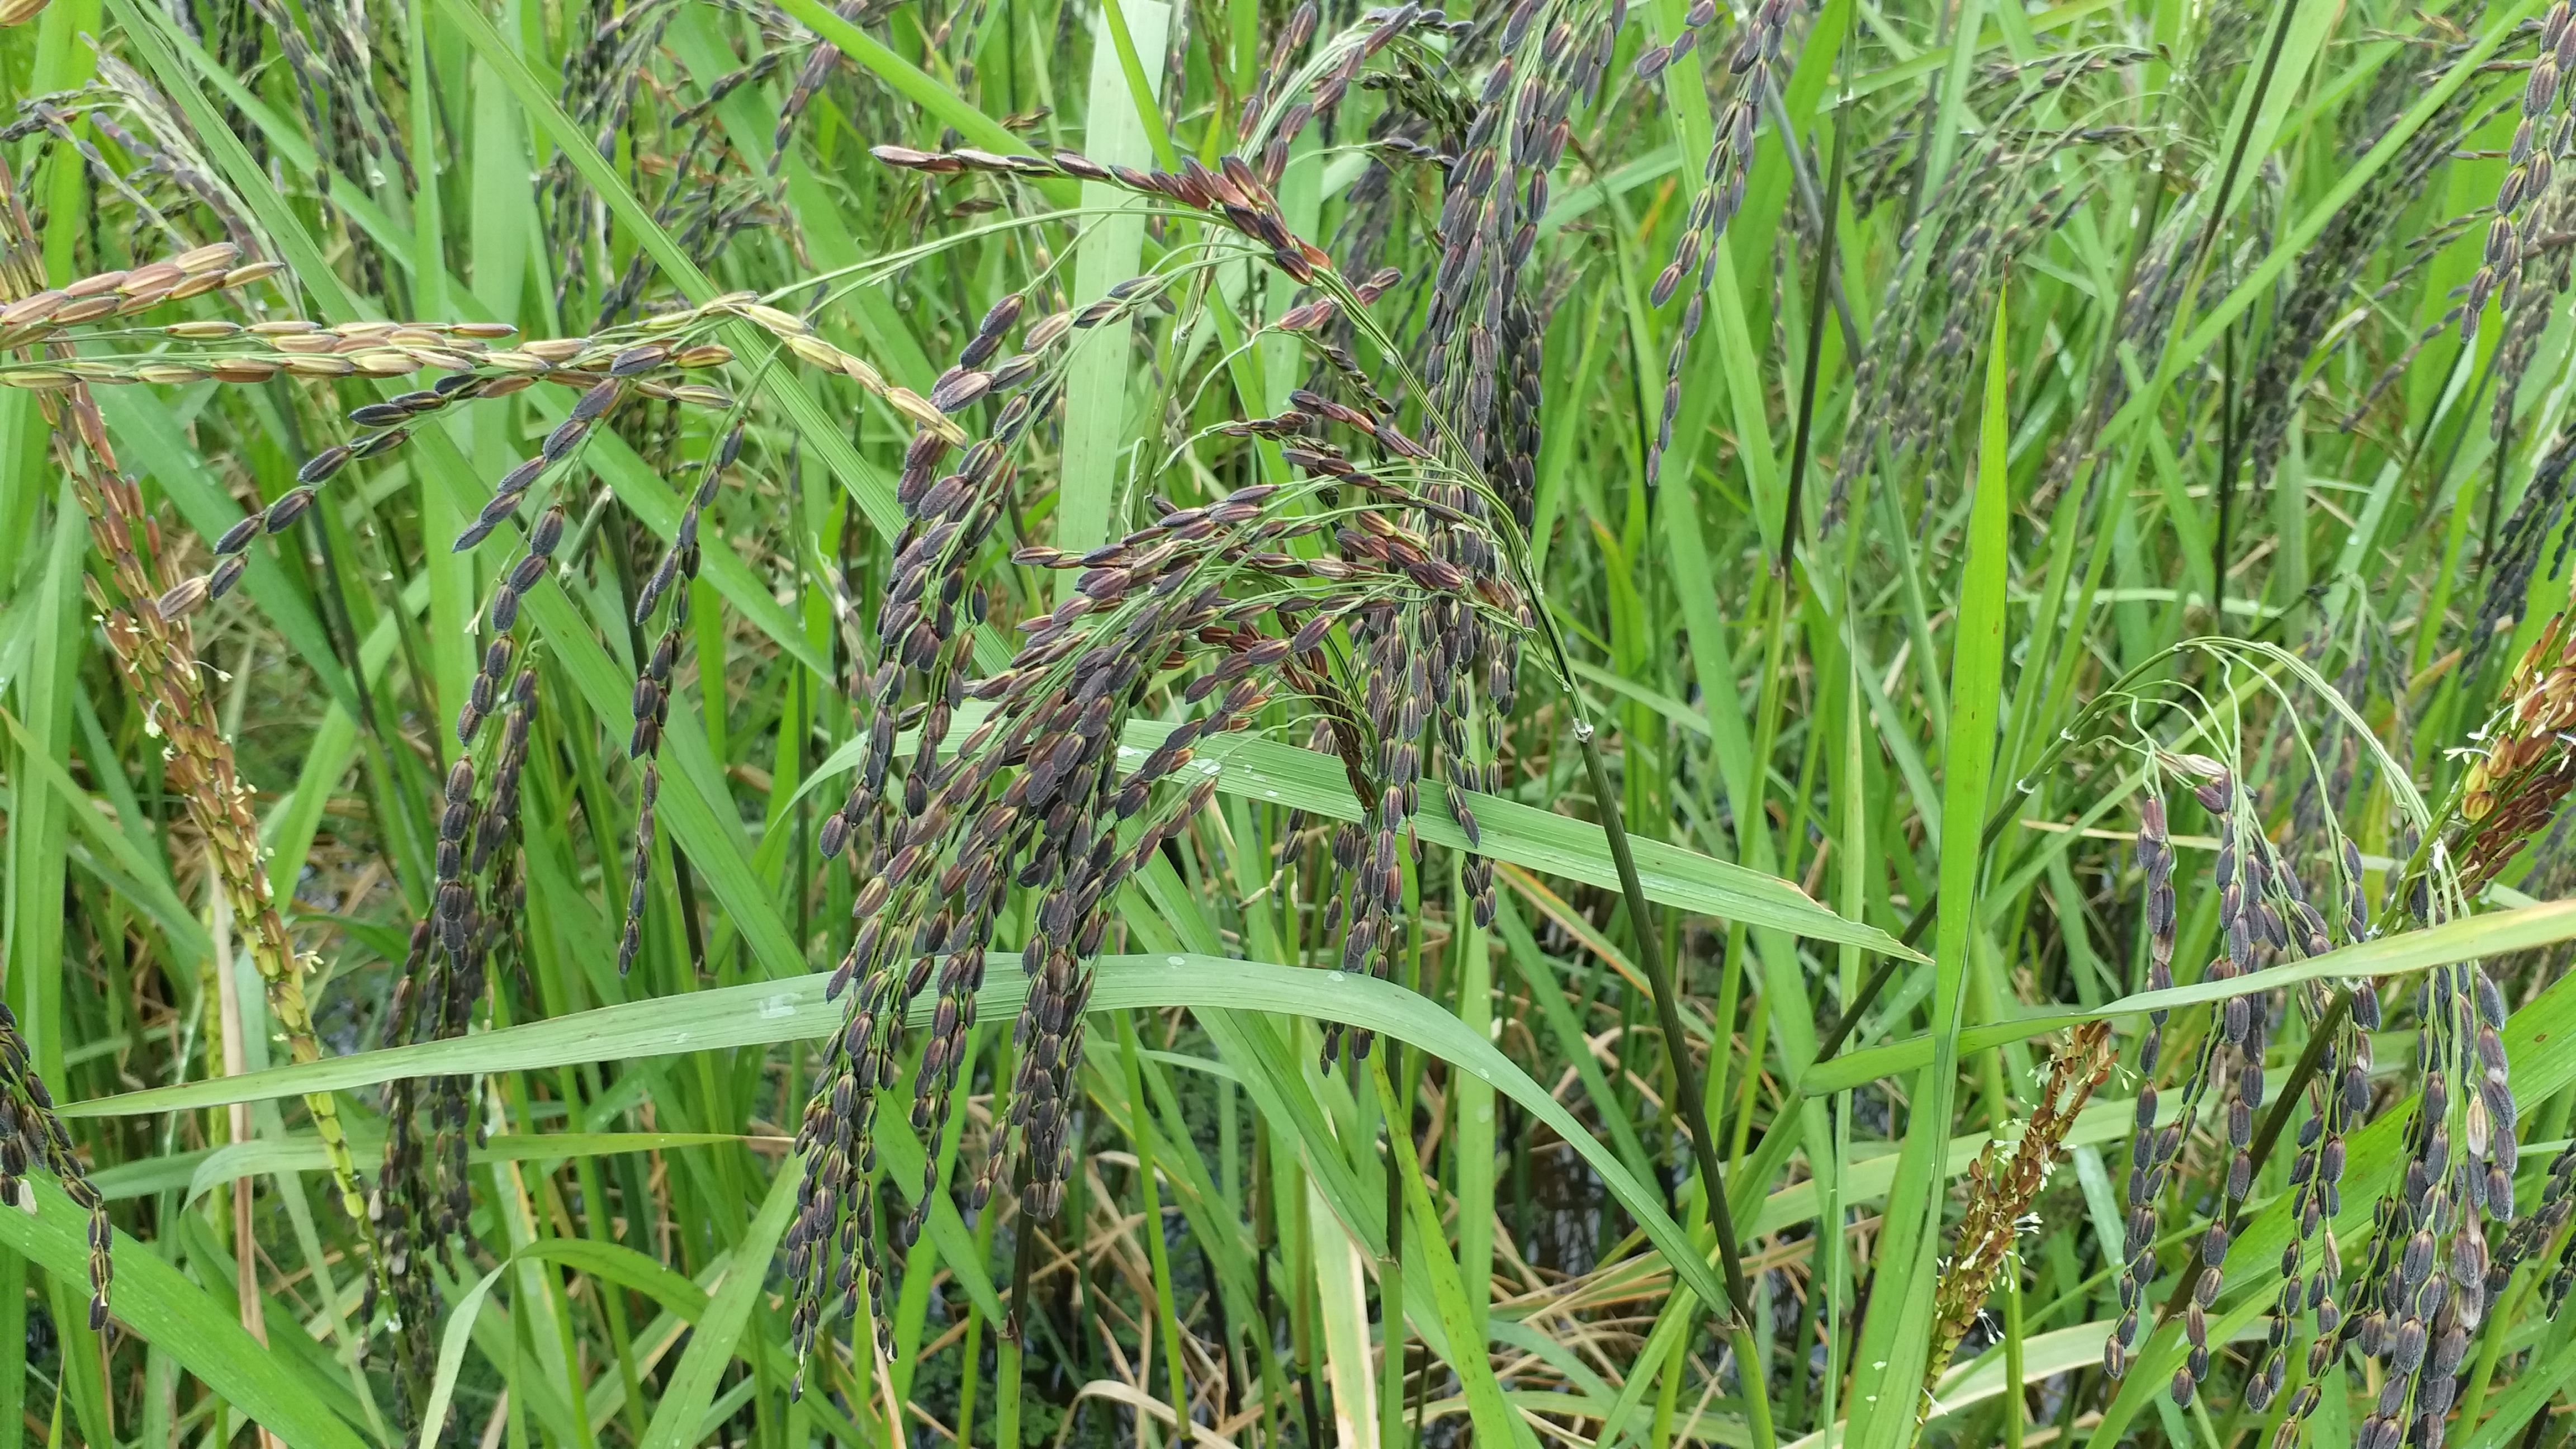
2498 933
2372 1159
1274 773
761 1013
184 1320
711 1344
260 1157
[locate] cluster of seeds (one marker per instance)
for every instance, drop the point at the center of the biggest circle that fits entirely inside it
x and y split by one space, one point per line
2155 1152
232 556
2152 1148
484 693
1480 338
1756 57
709 190
2338 1097
2514 790
2424 1287
925 631
38 318
1207 603
1481 346
422 1197
420 1204
2445 1239
818 68
1293 38
1234 192
344 110
2546 131
30 1137
652 703
2339 1102
612 370
1422 667
2322 296
2002 1184
141 612
2144 317
1320 85
408 1198
1955 258
2265 912
478 370
95 103
2547 270
2519 550
2537 1230
236 353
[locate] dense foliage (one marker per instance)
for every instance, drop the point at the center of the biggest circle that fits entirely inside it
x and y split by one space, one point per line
1043 723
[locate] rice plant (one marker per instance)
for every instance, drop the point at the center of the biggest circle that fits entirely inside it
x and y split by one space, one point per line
1562 722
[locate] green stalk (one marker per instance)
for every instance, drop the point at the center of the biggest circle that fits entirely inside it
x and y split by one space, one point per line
1142 1136
2012 1353
2293 1091
1399 1122
1473 1152
1006 1389
971 1348
1391 1336
1816 300
1659 977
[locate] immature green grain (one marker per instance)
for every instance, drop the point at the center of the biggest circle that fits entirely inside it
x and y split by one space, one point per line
156 656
